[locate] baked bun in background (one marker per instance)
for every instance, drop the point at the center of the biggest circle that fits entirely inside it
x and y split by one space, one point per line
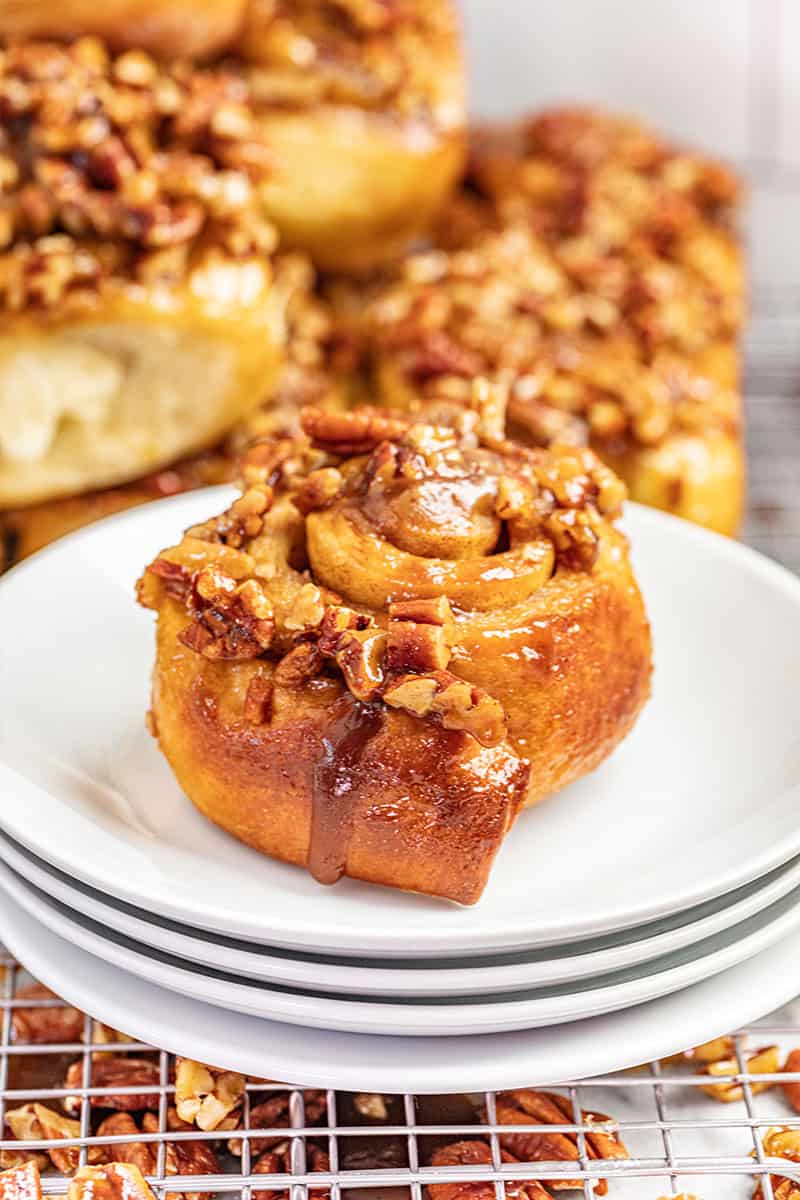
166 28
363 104
141 313
443 621
318 369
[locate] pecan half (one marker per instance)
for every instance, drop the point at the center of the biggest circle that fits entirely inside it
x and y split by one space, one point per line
110 1072
54 1024
765 1061
475 1153
277 1161
273 1113
526 1106
349 433
113 1181
458 704
182 1157
21 1183
205 1095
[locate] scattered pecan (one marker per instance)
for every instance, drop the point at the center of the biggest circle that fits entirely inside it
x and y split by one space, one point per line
21 1183
258 700
360 657
318 490
346 434
526 1106
475 1153
765 1061
779 1141
302 663
35 1122
277 1161
574 538
240 523
371 1105
206 1095
175 577
110 1072
55 1023
458 704
273 1113
113 1181
792 1090
182 1157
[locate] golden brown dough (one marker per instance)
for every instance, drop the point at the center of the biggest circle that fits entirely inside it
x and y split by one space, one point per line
168 28
361 663
362 102
592 269
142 316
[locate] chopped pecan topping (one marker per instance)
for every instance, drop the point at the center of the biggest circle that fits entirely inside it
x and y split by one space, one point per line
765 1061
277 1161
318 490
302 663
124 152
49 1024
307 610
21 1183
458 704
258 700
526 1106
206 1095
112 1181
420 634
360 656
475 1153
232 620
123 1071
779 1141
240 523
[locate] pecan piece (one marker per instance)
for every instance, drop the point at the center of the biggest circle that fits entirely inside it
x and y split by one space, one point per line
420 634
206 1095
475 1153
21 1183
527 1106
232 620
113 1181
277 1161
360 657
258 700
792 1090
302 663
779 1141
764 1061
240 523
574 539
345 434
273 1113
35 1122
110 1072
458 704
318 490
182 1157
51 1024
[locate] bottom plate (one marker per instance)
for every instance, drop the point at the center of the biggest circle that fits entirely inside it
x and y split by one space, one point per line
358 1062
413 1016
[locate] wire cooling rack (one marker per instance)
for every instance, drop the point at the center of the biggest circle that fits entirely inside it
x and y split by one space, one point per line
681 1141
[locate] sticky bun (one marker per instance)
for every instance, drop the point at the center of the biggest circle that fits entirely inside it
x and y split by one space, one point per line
362 102
318 369
397 637
593 270
141 316
168 28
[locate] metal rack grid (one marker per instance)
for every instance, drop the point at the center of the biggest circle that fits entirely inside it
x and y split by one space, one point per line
681 1141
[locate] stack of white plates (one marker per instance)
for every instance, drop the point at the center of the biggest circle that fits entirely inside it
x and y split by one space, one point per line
675 863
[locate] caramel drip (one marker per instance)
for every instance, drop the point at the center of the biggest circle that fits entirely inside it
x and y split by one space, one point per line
333 786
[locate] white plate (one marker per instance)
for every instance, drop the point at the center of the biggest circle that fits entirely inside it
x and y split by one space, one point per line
358 1062
397 977
414 1016
702 798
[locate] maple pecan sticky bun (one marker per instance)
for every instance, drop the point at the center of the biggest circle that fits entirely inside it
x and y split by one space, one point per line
594 270
318 369
363 104
396 638
141 313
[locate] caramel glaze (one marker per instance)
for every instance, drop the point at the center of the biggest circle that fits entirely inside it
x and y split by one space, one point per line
334 786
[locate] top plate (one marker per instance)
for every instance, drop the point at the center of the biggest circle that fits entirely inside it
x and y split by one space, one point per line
702 798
